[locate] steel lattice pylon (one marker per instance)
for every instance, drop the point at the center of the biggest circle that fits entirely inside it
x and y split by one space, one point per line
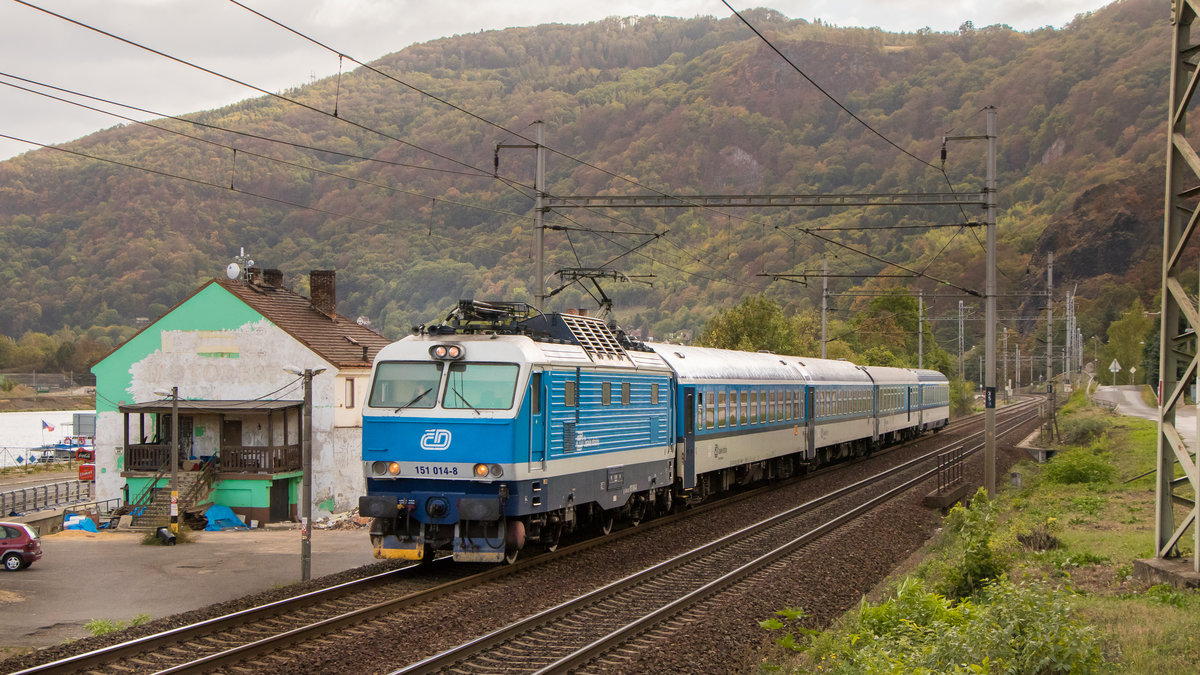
1180 312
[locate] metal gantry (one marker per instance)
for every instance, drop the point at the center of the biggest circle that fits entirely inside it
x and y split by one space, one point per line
1180 313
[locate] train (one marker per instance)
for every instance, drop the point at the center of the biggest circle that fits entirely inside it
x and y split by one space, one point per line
504 427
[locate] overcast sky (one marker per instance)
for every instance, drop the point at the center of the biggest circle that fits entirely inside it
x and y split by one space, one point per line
226 38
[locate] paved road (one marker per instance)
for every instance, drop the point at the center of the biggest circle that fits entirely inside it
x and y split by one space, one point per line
1129 402
111 575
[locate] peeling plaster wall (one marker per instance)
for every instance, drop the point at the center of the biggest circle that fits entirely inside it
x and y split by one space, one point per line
215 347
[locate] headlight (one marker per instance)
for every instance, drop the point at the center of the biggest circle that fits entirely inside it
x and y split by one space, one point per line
394 468
446 352
379 468
497 471
481 470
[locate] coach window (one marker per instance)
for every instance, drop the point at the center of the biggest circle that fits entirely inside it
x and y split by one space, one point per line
720 409
699 410
711 411
624 393
745 407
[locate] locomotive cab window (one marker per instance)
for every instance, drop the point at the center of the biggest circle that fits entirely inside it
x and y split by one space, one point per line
480 386
406 384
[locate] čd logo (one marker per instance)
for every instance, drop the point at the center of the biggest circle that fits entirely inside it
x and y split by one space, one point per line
435 439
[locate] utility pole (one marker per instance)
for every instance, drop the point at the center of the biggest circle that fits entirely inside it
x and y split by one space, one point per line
1049 319
824 302
175 461
1017 367
989 374
921 329
961 372
306 482
306 472
539 208
539 187
1004 382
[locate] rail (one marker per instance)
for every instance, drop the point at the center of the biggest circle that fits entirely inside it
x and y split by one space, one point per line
47 496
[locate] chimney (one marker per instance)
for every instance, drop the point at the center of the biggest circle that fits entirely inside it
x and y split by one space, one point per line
253 274
273 278
322 290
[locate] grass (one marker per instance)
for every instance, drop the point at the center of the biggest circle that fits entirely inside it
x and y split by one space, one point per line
1072 526
106 626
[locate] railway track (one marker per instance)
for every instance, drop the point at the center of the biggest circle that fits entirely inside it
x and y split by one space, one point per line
245 639
586 634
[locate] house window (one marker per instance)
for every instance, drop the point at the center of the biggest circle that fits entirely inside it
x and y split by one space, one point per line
350 402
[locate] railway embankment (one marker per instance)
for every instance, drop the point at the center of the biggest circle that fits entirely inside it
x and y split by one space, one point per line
1042 574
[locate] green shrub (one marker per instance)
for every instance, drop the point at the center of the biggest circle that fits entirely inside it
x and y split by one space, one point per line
1166 594
973 561
1081 428
1007 628
1077 466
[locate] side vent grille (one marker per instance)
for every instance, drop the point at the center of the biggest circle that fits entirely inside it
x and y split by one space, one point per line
568 437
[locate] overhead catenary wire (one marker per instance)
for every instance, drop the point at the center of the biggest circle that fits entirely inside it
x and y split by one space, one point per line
266 92
240 191
285 162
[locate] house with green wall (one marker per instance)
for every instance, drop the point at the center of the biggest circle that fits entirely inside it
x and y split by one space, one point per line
230 349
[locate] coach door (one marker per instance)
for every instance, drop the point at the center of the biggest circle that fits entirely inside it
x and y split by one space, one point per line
689 437
537 422
912 399
810 414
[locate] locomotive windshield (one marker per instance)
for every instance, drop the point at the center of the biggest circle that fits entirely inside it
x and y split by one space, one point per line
481 386
406 384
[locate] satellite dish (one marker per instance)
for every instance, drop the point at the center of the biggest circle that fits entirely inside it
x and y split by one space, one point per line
233 271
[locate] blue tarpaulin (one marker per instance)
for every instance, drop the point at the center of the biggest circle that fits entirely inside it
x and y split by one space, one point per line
79 522
222 518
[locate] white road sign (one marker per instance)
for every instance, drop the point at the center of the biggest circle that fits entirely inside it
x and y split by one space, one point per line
1114 367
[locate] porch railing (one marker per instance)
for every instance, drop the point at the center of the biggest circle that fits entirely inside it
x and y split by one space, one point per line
233 458
260 459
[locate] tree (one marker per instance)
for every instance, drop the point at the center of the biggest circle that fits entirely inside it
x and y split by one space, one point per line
757 323
1127 337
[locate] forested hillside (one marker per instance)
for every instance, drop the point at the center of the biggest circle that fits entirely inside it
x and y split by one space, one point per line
631 106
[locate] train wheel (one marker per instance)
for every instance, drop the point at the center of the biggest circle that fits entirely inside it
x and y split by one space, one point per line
606 522
552 545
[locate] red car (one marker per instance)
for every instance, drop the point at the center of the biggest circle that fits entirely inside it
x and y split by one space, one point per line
19 546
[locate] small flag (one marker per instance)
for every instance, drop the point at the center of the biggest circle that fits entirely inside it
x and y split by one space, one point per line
46 427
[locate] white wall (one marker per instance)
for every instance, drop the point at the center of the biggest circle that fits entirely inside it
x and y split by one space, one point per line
247 363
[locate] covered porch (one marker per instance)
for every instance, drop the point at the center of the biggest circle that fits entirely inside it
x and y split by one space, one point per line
235 437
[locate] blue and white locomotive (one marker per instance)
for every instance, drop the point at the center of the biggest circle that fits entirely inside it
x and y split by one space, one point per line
505 426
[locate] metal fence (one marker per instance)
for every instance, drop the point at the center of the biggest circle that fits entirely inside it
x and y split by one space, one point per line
48 496
950 468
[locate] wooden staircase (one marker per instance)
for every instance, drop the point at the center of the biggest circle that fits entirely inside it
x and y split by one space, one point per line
154 509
